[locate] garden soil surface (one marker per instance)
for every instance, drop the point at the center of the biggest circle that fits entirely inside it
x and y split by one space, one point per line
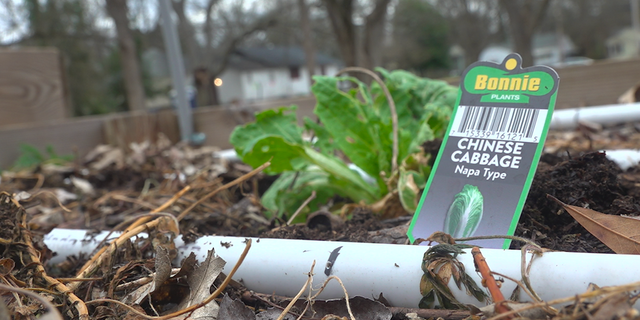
113 188
589 180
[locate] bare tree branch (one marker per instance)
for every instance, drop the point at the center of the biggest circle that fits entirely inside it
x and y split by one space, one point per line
373 34
228 46
522 26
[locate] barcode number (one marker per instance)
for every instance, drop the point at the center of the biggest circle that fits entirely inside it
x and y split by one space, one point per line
519 124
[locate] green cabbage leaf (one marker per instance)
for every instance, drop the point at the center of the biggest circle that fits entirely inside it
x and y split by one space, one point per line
465 213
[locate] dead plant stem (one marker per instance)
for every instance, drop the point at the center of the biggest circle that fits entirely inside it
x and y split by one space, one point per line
49 307
346 294
527 241
591 294
488 280
112 247
52 283
304 204
224 187
304 287
525 269
192 308
137 223
519 284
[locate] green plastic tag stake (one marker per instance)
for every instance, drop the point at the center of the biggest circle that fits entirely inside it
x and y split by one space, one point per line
489 155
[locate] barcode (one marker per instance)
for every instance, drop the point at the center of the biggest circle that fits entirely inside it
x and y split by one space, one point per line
499 119
503 123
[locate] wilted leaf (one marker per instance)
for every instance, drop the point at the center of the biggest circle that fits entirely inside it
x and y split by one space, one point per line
188 265
445 273
159 289
621 234
83 185
408 190
425 285
163 267
6 266
234 309
200 283
615 307
113 156
439 265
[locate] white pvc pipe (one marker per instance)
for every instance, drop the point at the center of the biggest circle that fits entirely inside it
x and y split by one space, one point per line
608 114
280 266
624 158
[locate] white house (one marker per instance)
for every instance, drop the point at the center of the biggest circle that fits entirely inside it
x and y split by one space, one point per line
268 73
624 44
548 49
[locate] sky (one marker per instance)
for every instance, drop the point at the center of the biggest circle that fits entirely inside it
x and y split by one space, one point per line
13 15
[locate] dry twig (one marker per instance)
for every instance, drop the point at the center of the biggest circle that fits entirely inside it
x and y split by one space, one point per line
304 287
224 187
193 307
488 281
52 314
140 221
304 204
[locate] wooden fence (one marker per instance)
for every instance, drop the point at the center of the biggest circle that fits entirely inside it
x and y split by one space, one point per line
598 84
79 135
31 86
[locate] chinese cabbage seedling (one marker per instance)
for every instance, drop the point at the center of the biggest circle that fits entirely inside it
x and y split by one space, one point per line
353 126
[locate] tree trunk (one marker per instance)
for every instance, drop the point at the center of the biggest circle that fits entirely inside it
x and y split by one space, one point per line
309 48
523 22
131 74
373 35
340 13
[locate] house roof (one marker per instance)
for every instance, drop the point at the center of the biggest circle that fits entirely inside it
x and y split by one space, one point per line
262 57
542 40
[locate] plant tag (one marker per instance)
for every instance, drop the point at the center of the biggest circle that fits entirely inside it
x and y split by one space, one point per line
481 177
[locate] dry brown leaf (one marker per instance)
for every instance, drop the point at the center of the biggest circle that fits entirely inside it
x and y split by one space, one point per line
163 267
234 309
200 282
621 234
445 273
6 266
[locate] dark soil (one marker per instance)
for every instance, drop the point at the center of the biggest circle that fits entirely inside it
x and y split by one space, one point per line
589 180
586 180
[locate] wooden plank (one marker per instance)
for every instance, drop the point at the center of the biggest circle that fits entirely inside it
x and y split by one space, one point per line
122 129
217 123
31 87
73 136
599 84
